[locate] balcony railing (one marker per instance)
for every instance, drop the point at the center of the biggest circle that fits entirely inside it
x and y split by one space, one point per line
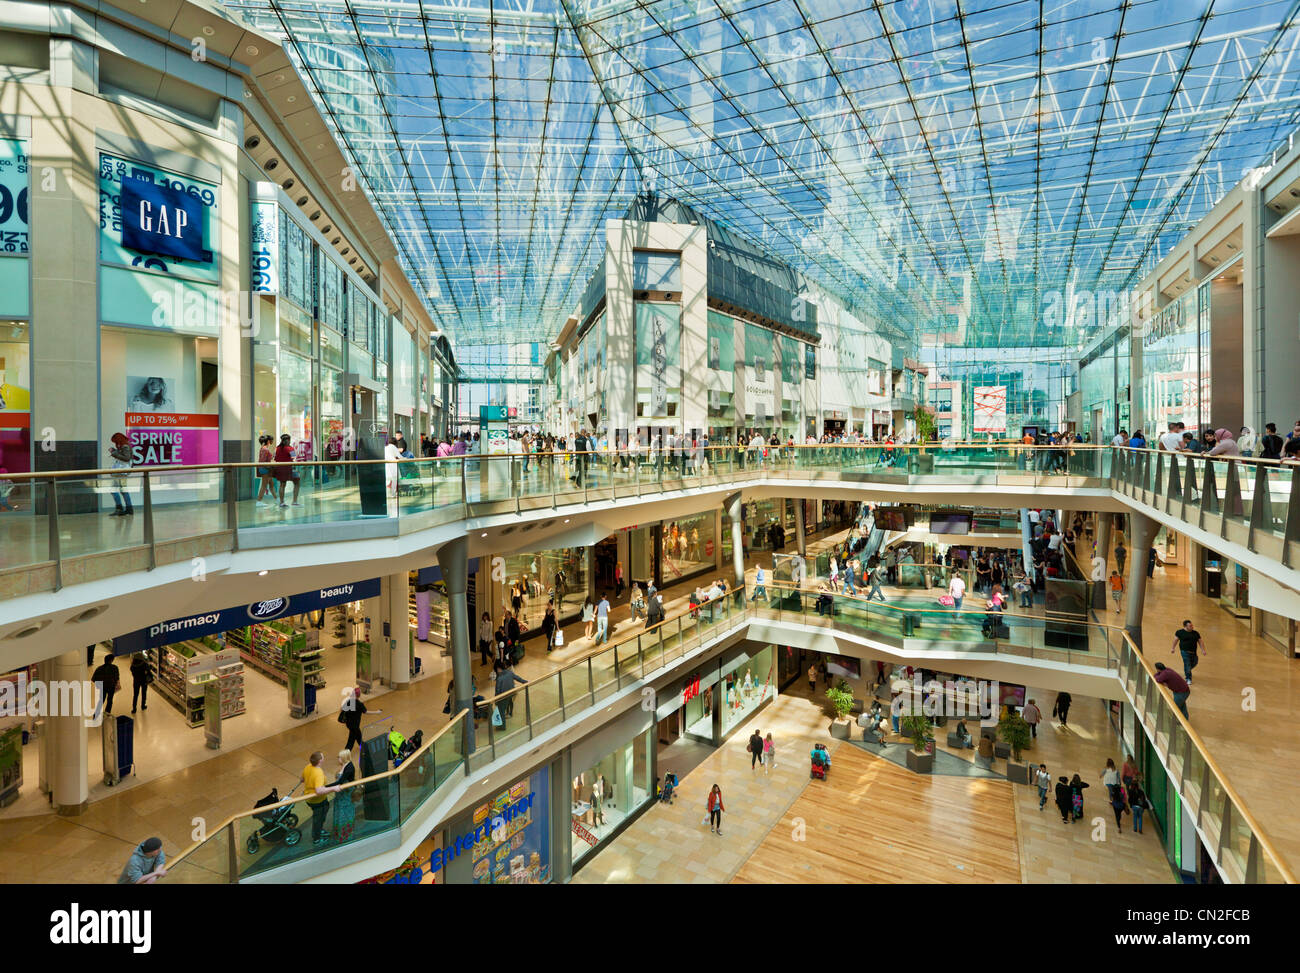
239 848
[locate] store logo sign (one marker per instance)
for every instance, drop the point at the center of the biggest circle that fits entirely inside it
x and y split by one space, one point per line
162 219
261 611
691 690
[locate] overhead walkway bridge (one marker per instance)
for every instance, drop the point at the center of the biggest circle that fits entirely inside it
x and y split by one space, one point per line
450 774
70 573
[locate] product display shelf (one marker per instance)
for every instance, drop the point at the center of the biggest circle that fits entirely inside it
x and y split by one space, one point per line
171 672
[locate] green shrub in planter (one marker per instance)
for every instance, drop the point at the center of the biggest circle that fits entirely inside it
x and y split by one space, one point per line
1014 732
841 700
918 729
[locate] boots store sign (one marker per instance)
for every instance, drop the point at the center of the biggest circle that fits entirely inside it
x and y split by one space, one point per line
192 626
160 218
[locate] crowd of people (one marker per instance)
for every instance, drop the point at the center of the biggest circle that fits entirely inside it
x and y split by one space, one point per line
1219 442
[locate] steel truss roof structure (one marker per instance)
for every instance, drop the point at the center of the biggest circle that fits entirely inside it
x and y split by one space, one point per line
938 164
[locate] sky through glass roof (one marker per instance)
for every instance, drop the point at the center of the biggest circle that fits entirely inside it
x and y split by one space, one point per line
940 164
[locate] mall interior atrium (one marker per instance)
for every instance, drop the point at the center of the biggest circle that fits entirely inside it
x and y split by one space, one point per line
628 442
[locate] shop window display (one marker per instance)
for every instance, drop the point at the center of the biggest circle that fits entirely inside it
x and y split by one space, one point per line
533 578
511 838
15 397
606 794
745 686
688 546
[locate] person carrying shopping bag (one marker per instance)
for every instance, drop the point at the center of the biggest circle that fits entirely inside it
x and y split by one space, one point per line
715 809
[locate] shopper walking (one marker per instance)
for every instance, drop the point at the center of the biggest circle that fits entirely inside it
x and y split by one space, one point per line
350 716
760 584
1121 554
1061 708
283 470
956 591
1116 589
755 749
1110 777
1077 787
1176 685
873 574
485 639
1032 715
588 617
107 678
812 677
602 619
141 676
769 753
1137 802
618 580
267 481
1064 798
1119 805
1187 641
317 791
550 624
715 807
506 681
1044 780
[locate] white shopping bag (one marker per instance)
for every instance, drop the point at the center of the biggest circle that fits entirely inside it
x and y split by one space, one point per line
559 637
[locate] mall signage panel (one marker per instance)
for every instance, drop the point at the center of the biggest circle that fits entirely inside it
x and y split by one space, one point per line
158 218
173 438
275 606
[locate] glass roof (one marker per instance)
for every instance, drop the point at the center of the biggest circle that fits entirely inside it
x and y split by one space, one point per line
944 165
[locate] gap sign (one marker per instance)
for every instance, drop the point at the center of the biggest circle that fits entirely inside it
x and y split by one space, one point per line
162 219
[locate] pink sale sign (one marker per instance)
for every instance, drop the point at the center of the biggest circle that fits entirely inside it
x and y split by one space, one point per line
173 438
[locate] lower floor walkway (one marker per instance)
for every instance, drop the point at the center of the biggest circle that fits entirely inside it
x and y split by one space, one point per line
874 821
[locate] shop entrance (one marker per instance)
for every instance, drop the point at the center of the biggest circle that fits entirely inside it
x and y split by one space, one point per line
605 554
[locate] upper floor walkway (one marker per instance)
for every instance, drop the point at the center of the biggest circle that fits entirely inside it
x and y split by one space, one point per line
67 560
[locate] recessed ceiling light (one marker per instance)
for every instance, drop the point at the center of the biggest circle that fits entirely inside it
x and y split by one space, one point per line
208 31
291 99
251 50
484 534
263 574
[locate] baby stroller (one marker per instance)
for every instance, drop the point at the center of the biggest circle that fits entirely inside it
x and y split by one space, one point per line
670 783
400 747
821 762
278 825
408 480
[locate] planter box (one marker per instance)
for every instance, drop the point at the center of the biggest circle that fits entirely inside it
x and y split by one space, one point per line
1001 749
840 731
1017 773
920 763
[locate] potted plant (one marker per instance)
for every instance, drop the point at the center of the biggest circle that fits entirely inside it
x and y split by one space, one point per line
842 702
917 728
1015 733
925 428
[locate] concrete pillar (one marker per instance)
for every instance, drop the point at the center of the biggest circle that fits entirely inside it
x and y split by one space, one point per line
732 505
1026 542
1101 535
69 745
396 600
801 535
453 559
1142 532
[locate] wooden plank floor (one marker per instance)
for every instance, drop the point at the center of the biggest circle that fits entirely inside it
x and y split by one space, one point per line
873 821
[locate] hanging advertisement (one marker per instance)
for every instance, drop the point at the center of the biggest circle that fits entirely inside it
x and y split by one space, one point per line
14 289
265 249
990 408
161 436
658 348
156 231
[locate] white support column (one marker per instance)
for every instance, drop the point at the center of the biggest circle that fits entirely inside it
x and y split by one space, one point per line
69 742
396 599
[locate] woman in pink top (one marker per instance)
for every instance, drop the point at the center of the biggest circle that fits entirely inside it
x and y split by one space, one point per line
769 754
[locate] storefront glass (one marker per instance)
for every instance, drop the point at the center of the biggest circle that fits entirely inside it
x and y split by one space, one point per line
607 793
760 380
15 397
641 554
688 546
746 684
535 577
1173 386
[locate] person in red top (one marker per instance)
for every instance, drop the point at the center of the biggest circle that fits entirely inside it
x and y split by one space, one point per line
1176 684
284 469
715 809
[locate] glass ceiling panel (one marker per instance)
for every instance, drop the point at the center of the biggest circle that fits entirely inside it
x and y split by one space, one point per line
940 165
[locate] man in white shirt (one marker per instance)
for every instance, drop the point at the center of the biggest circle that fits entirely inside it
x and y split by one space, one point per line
1173 439
760 584
1054 542
957 591
602 620
1121 438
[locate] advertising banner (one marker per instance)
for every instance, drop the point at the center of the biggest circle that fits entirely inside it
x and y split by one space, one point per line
173 438
990 408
